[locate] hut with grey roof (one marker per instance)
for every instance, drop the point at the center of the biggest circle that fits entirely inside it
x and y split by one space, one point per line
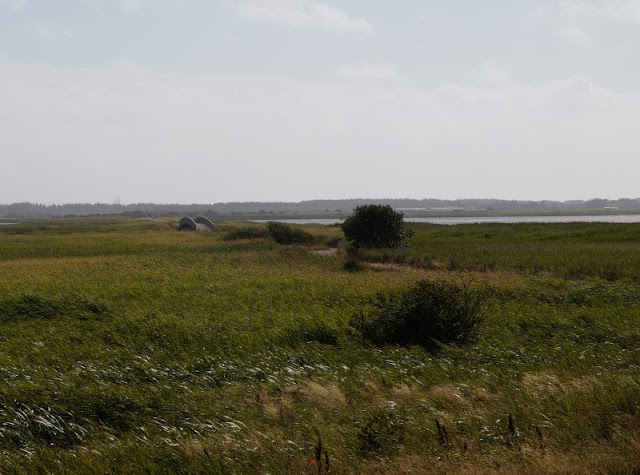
188 224
204 221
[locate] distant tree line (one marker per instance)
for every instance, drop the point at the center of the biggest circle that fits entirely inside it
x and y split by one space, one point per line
338 207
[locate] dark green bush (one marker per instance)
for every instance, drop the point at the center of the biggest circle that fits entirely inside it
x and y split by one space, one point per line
427 314
375 226
246 233
283 234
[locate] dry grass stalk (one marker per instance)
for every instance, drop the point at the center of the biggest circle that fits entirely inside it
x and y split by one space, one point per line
322 463
541 442
443 437
512 427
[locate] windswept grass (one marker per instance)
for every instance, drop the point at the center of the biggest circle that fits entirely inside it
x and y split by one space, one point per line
128 346
569 250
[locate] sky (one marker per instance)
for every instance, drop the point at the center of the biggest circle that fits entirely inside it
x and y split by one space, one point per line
205 101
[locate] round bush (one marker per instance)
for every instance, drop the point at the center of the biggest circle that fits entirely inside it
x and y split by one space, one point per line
427 314
375 226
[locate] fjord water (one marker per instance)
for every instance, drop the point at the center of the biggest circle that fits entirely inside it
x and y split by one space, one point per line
633 218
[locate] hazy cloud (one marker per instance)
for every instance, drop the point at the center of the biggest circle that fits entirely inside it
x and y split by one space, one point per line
14 4
492 73
367 72
127 65
52 32
131 5
550 114
149 136
302 14
625 10
574 34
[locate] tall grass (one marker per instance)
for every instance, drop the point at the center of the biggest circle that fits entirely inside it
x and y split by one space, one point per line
128 346
569 250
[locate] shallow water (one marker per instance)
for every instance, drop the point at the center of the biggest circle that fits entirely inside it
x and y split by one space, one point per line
634 218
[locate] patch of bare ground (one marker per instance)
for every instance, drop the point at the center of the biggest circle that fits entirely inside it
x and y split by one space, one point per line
325 252
383 266
420 266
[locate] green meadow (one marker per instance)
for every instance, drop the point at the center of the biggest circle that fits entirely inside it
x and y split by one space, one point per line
130 347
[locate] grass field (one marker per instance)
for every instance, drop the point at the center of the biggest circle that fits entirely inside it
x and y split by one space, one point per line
127 346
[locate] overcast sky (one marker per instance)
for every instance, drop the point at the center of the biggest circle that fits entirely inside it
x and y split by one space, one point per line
286 100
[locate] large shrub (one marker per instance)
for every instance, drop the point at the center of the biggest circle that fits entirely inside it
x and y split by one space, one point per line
427 314
246 233
283 234
375 226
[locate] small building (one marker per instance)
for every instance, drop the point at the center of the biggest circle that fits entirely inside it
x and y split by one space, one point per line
205 222
199 224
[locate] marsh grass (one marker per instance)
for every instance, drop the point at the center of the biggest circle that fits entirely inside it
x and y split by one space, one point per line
33 306
127 346
381 433
569 250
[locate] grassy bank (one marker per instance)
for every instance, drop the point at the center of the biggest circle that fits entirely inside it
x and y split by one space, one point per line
130 346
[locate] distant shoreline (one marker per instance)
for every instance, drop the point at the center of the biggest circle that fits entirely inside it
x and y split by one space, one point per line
337 208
